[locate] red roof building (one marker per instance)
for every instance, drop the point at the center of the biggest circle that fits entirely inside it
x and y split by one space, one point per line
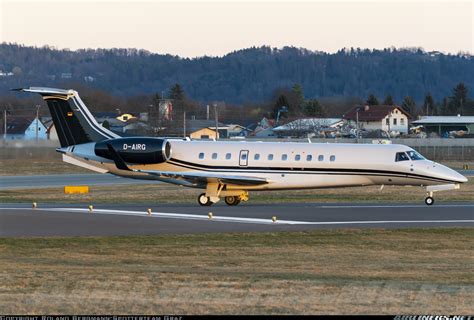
380 117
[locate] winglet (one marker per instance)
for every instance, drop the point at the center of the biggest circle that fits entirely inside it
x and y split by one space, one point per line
117 158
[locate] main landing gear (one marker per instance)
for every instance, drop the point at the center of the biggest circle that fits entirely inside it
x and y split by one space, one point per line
232 200
215 192
205 201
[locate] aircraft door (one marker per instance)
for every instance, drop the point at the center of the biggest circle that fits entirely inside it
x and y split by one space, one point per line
244 158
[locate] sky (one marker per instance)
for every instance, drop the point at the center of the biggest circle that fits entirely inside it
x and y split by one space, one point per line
214 28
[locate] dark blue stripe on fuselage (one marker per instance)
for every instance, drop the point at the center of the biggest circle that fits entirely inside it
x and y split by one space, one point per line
302 170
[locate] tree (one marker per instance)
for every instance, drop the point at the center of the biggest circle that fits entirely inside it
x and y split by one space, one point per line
372 100
388 101
282 101
312 108
429 106
459 98
299 95
409 105
445 107
176 93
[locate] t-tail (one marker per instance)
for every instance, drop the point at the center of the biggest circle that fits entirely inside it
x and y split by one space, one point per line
73 121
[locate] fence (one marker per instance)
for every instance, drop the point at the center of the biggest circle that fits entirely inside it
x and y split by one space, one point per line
434 149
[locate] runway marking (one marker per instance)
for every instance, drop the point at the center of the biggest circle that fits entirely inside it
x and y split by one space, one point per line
397 206
186 216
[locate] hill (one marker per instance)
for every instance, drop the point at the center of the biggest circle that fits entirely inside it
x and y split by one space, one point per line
248 75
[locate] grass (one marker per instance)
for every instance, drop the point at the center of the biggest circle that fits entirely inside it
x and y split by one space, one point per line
165 193
414 271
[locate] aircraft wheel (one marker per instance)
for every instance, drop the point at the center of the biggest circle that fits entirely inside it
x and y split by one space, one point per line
203 200
232 200
429 201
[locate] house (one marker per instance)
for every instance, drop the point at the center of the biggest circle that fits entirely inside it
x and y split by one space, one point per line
264 128
443 125
51 132
16 128
303 127
236 130
21 128
205 129
124 117
381 117
36 130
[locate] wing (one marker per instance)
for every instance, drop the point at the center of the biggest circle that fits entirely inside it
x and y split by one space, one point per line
203 178
194 179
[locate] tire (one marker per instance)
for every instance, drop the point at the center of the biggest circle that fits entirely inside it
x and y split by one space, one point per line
203 200
429 201
232 200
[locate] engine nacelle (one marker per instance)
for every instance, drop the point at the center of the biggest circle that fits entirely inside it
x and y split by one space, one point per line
137 150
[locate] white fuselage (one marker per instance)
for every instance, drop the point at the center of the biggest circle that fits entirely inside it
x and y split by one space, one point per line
289 165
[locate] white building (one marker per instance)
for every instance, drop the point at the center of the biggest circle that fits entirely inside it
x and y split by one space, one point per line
36 126
382 117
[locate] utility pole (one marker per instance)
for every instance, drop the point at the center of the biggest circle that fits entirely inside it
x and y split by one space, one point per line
37 121
215 113
184 125
5 124
207 112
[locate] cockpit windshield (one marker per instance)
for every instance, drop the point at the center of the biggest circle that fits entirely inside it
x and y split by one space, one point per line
415 155
401 156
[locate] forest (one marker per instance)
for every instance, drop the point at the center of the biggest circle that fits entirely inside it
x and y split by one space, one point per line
249 82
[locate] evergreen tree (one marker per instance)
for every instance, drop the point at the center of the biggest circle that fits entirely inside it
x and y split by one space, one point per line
409 105
388 100
299 95
429 106
459 98
372 100
445 107
176 93
312 108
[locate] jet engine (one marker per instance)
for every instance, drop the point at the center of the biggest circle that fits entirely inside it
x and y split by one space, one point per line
136 150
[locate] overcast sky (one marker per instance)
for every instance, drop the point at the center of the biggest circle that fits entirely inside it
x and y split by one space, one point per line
196 28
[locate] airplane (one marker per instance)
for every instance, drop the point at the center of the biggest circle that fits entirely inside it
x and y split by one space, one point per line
229 170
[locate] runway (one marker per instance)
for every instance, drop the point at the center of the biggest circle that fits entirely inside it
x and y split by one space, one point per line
61 180
75 220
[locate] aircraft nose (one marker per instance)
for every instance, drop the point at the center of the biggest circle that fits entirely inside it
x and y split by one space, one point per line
452 175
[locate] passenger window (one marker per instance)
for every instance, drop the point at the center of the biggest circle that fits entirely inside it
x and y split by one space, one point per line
256 156
228 156
297 157
201 155
332 158
284 157
309 157
243 156
214 156
320 157
270 157
401 156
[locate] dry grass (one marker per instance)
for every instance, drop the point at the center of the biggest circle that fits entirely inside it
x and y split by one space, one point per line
424 271
165 193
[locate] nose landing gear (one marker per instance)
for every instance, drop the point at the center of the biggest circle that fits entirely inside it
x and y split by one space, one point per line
204 201
429 200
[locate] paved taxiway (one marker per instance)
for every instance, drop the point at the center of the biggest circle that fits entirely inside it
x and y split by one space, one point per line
60 180
74 220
